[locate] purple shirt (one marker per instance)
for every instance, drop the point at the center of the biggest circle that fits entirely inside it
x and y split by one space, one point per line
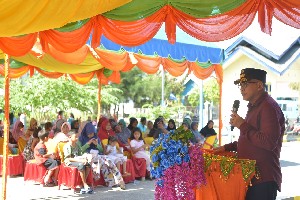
261 139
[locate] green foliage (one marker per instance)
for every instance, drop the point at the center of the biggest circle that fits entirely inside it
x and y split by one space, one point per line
183 135
210 90
146 89
42 97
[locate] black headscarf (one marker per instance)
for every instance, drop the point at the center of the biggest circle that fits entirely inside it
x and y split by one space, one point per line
174 125
155 131
206 132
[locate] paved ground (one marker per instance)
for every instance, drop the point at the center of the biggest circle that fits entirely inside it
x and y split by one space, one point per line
17 189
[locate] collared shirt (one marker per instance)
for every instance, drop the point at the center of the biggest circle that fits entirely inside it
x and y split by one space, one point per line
261 138
142 127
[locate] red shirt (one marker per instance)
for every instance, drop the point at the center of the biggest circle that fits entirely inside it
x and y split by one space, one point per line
261 138
39 150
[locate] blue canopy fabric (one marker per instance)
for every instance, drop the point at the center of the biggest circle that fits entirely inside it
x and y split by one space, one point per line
176 51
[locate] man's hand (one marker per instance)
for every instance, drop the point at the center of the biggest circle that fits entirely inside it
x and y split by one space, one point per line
236 120
220 149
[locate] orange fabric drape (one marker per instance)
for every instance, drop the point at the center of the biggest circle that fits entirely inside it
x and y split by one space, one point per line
17 46
201 73
76 57
82 78
147 64
175 68
112 60
49 74
235 187
15 73
67 42
287 11
131 33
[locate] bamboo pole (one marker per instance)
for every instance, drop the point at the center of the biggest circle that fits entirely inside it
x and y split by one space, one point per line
99 99
6 126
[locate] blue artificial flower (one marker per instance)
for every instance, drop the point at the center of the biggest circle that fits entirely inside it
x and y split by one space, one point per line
186 158
152 148
178 160
164 144
161 136
184 150
173 142
165 163
167 136
155 158
163 156
160 183
172 161
159 171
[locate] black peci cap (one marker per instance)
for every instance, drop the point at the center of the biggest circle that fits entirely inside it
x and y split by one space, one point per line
248 74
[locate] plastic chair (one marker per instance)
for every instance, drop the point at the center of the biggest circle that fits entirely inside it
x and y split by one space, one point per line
148 140
209 142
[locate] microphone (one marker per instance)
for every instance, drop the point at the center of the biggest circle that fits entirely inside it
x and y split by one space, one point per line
235 107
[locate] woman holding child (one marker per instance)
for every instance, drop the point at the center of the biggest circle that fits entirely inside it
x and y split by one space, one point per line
90 143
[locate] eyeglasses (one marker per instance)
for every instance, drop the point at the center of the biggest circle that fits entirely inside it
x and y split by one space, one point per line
245 84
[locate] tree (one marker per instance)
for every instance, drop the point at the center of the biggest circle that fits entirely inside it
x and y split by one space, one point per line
43 97
146 89
211 93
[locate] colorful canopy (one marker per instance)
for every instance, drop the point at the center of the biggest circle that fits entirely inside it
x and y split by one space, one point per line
18 17
137 22
176 51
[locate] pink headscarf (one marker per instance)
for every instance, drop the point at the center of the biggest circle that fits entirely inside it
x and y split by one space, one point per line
16 132
66 123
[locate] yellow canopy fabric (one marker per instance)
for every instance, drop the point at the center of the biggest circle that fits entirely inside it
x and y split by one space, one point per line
48 63
18 17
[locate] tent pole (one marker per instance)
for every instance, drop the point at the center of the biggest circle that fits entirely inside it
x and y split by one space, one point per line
162 87
6 126
99 99
220 114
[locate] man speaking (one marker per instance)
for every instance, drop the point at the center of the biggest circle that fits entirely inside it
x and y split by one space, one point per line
261 134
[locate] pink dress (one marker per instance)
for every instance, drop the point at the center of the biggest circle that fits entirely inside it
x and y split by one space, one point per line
141 153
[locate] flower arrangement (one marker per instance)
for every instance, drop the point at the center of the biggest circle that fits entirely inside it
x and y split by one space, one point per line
177 166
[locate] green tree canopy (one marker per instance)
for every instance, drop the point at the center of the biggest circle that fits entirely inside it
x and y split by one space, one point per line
211 93
42 97
146 89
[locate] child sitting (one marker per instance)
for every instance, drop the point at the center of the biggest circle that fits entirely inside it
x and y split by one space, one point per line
48 128
115 155
43 158
138 146
73 157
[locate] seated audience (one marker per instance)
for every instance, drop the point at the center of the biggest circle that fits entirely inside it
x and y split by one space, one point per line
115 154
42 157
74 157
138 146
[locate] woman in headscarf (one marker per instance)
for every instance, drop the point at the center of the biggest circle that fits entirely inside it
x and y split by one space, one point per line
171 125
122 134
63 136
122 123
19 136
198 138
18 130
133 122
88 141
105 130
158 128
208 129
32 127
